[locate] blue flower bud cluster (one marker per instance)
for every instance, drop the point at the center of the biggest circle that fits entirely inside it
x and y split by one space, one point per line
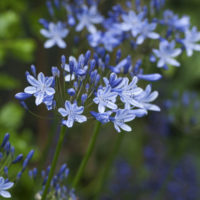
58 189
8 159
91 86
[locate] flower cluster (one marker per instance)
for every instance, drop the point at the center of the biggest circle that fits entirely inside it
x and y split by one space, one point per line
8 159
58 189
87 90
133 23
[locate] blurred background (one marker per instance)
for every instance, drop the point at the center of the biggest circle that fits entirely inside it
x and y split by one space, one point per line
160 159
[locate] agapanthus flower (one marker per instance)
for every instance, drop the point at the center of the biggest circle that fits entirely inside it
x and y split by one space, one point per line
55 34
40 88
86 90
125 115
146 31
109 39
73 112
105 98
87 18
166 54
190 41
132 22
174 22
4 186
146 97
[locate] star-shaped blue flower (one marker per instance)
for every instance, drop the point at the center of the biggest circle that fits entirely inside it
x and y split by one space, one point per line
5 185
146 31
166 54
87 18
40 88
105 98
55 34
146 97
126 115
73 112
190 41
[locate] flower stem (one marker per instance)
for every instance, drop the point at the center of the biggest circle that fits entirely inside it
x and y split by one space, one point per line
87 155
108 164
54 162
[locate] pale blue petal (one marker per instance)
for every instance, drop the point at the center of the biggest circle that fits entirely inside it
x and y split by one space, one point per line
50 91
49 43
5 194
32 81
39 98
30 90
41 78
81 118
63 112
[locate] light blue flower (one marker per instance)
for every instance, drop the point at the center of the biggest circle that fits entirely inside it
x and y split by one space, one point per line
87 18
132 22
73 112
146 31
5 185
109 39
191 37
105 98
166 53
146 97
128 91
126 115
40 88
174 22
55 34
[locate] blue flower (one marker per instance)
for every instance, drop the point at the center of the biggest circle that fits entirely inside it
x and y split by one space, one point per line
73 112
146 97
174 22
125 115
87 18
109 39
128 91
40 88
5 185
191 37
55 34
146 31
132 22
105 98
166 54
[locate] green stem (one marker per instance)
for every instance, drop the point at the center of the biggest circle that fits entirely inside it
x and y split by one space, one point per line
54 162
108 164
87 155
